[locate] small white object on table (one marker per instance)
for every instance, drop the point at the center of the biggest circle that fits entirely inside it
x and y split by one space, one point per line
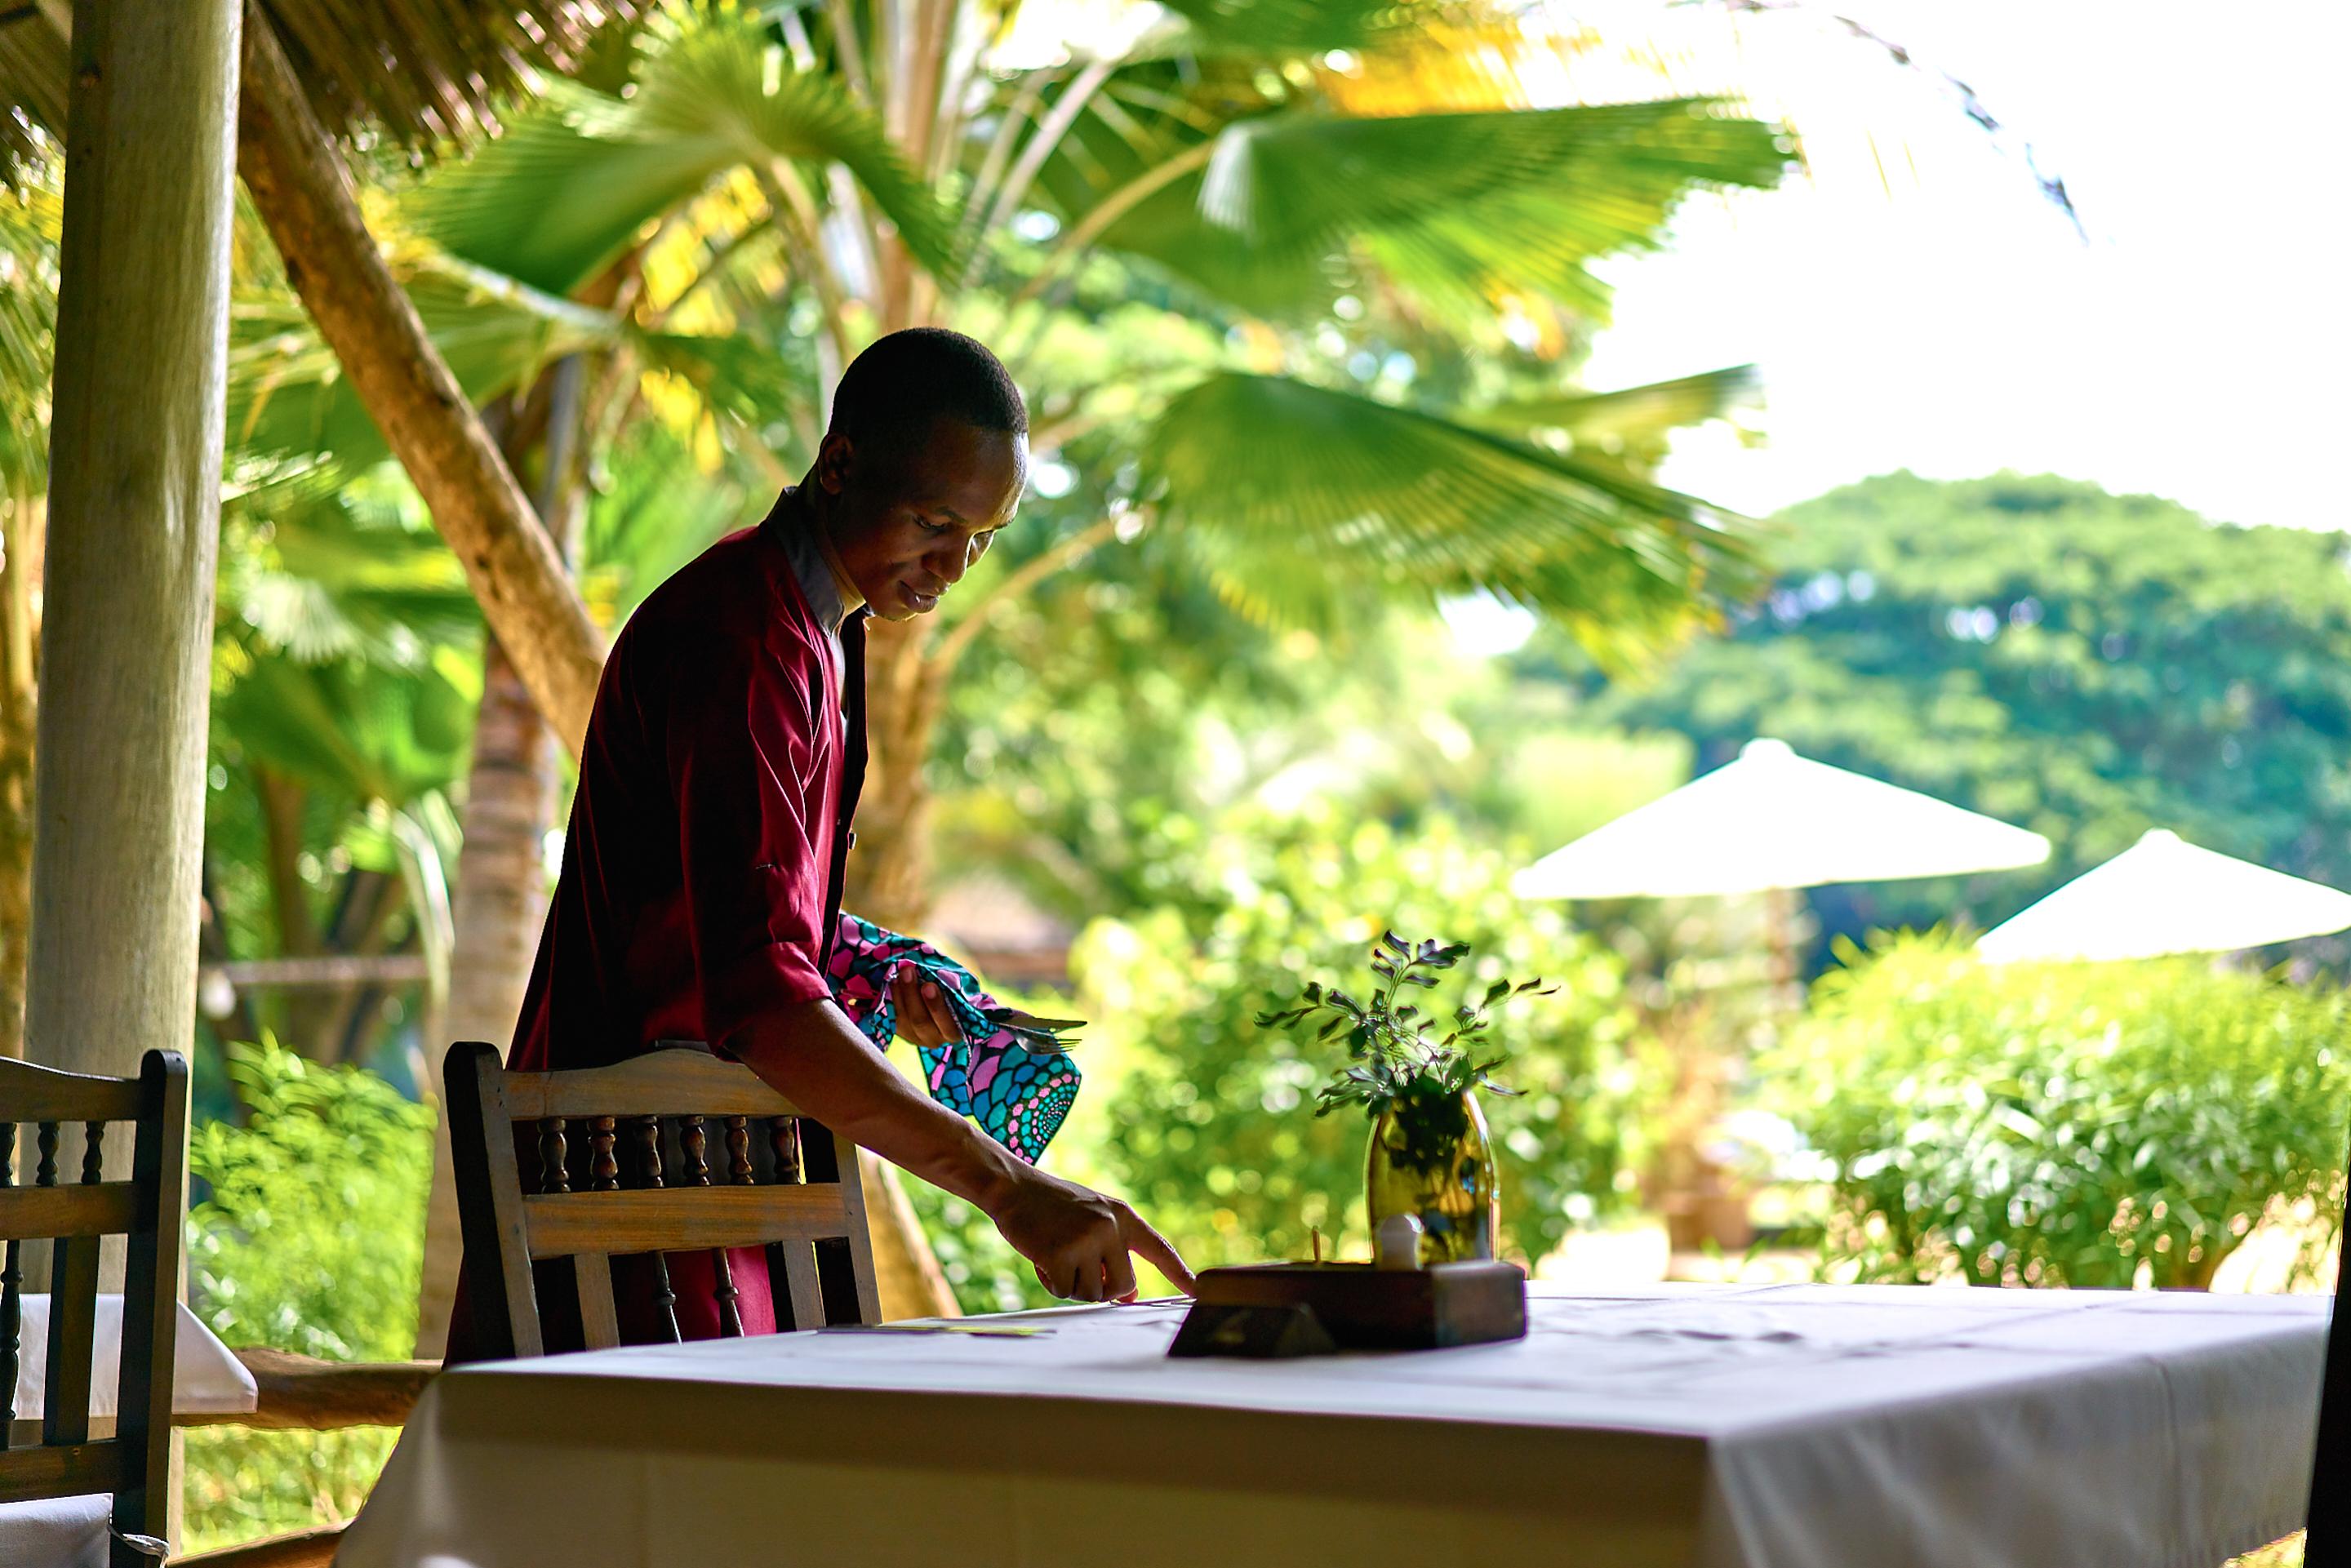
1787 1427
206 1379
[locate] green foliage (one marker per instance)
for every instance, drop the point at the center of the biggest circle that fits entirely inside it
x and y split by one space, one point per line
2065 1123
308 1236
1393 1062
2085 665
1297 498
31 215
1203 1132
1460 210
576 179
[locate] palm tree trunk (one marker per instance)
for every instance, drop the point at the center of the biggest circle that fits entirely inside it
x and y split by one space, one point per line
890 874
19 637
500 902
302 190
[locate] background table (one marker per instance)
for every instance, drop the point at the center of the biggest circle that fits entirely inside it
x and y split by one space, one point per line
206 1379
1799 1426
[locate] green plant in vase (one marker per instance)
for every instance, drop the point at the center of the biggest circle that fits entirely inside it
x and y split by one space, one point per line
1431 1156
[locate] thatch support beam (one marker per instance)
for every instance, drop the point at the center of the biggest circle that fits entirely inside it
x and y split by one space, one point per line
302 188
134 530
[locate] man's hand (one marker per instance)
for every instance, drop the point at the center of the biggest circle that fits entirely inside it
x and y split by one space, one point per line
1078 1240
922 1016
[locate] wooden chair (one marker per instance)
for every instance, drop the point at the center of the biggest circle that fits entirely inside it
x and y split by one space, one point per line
2329 1540
623 1167
134 1464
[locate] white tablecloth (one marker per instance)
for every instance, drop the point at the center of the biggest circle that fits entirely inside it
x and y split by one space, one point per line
1794 1426
63 1532
206 1379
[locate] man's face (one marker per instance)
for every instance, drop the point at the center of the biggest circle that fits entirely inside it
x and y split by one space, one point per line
908 522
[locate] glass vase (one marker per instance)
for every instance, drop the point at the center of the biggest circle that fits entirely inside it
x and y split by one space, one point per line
1433 1160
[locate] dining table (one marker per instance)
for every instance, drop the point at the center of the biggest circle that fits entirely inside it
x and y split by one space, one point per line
207 1379
1651 1426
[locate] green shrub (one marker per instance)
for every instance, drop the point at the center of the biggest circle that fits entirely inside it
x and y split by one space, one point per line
309 1236
2065 1123
1211 1130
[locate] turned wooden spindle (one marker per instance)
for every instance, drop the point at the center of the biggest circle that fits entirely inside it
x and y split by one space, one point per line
11 1301
649 1171
603 1166
552 1153
695 1139
46 1173
647 1131
93 1154
738 1150
784 1139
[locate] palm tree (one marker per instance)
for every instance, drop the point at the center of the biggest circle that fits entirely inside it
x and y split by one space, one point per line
1219 164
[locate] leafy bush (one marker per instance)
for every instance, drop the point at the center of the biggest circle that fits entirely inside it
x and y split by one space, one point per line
309 1236
2065 1123
1210 1132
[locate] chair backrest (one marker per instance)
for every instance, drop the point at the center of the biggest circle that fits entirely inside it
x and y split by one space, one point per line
135 1463
663 1153
2330 1468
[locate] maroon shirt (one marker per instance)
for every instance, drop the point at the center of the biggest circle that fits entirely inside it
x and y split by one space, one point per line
702 871
703 867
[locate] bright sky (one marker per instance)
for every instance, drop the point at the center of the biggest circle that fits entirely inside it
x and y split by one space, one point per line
1955 324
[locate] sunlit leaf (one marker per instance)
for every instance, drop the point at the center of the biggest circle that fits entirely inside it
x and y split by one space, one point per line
577 179
1300 501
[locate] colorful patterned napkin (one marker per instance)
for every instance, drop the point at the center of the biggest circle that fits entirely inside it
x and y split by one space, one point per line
1015 1079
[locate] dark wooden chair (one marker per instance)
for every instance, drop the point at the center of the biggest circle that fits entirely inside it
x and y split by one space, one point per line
134 1464
2329 1540
671 1152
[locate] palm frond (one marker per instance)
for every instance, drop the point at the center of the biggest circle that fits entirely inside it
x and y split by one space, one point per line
427 73
1305 505
288 394
343 574
576 179
1628 426
30 217
1264 27
431 71
1461 209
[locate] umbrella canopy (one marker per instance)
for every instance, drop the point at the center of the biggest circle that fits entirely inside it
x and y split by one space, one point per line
1773 820
2163 895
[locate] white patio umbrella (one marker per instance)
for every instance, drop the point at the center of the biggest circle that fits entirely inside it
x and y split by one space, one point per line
1775 819
2164 895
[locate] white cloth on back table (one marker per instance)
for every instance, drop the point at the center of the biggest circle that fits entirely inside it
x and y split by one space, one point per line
1777 1427
206 1379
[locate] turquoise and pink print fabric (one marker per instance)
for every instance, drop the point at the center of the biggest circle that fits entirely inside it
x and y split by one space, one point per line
1019 1089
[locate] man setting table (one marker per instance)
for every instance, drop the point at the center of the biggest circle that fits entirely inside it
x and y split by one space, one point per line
700 892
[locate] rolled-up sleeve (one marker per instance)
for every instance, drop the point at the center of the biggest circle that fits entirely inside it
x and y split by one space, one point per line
755 848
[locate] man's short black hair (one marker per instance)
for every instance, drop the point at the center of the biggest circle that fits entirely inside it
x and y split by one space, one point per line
902 384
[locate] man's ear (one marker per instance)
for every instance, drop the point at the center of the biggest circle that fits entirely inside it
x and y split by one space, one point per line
834 458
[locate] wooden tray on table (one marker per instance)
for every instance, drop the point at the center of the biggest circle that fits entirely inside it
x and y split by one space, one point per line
1270 1309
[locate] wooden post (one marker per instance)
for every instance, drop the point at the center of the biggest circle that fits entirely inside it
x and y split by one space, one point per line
133 529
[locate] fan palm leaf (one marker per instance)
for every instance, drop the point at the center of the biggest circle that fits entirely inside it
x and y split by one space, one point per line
577 177
1456 208
322 574
1303 503
1630 425
30 217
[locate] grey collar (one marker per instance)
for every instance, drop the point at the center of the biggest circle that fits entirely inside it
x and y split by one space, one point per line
815 578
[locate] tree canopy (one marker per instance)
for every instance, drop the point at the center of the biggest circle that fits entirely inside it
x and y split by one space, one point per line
2085 665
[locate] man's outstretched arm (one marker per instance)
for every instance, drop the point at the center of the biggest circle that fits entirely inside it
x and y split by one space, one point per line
1078 1238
